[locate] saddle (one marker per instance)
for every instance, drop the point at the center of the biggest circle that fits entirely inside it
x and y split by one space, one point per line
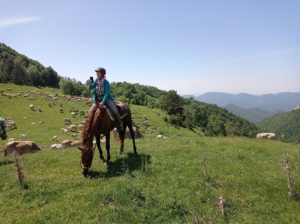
121 107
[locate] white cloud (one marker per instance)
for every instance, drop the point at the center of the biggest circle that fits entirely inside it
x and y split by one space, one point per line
17 20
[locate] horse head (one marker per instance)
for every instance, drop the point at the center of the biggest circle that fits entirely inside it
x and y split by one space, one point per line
86 153
3 135
88 132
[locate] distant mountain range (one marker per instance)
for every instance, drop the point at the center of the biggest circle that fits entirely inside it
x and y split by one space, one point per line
252 107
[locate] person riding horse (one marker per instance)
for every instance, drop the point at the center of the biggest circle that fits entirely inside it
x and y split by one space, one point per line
101 122
3 135
102 97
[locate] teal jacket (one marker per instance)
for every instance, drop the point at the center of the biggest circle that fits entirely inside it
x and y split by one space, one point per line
107 94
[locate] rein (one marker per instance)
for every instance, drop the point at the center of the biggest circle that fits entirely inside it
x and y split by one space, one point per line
83 166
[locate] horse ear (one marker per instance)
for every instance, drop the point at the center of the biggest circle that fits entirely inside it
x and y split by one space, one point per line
80 148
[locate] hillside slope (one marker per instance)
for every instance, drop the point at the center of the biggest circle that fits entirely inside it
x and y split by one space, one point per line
16 104
174 180
253 114
285 125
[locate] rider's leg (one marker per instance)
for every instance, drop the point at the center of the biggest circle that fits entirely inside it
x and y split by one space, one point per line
111 104
91 110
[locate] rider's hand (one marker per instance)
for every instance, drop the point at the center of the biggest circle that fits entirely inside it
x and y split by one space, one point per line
101 105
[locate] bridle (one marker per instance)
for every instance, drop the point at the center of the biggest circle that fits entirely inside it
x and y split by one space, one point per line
83 166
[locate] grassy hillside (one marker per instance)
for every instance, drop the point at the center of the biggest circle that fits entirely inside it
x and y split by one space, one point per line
150 121
173 180
285 125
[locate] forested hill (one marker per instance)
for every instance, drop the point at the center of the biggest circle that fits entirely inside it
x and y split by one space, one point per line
285 125
21 70
209 119
189 113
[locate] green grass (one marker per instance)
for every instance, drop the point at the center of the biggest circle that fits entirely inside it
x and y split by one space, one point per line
175 180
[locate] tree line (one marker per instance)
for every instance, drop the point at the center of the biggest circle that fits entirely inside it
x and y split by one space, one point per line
21 70
189 113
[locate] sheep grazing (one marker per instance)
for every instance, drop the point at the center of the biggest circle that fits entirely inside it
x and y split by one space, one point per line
267 135
55 138
20 147
67 121
56 146
70 143
10 124
73 128
23 136
31 106
137 133
64 130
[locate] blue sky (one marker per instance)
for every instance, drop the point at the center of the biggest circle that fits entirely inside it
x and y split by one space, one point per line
191 46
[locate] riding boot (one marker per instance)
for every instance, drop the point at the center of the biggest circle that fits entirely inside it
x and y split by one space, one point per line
111 104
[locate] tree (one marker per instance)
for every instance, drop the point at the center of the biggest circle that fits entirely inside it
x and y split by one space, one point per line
18 74
172 103
72 87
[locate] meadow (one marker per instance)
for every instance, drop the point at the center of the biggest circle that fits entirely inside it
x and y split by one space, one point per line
179 179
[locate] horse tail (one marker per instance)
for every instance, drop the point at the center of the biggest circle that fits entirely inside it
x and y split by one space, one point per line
130 127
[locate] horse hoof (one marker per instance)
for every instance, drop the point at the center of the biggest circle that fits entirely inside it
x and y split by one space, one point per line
85 173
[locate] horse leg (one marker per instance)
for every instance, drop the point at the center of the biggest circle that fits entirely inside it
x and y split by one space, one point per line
99 147
107 144
132 137
122 136
85 172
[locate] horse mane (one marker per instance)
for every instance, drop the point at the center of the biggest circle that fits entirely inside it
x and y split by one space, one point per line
85 131
89 125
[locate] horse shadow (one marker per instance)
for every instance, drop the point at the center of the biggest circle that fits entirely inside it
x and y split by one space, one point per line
124 165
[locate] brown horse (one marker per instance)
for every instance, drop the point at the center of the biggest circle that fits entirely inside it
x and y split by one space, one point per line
101 123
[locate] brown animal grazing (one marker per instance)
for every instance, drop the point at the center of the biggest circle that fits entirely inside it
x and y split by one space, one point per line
137 133
102 124
20 147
